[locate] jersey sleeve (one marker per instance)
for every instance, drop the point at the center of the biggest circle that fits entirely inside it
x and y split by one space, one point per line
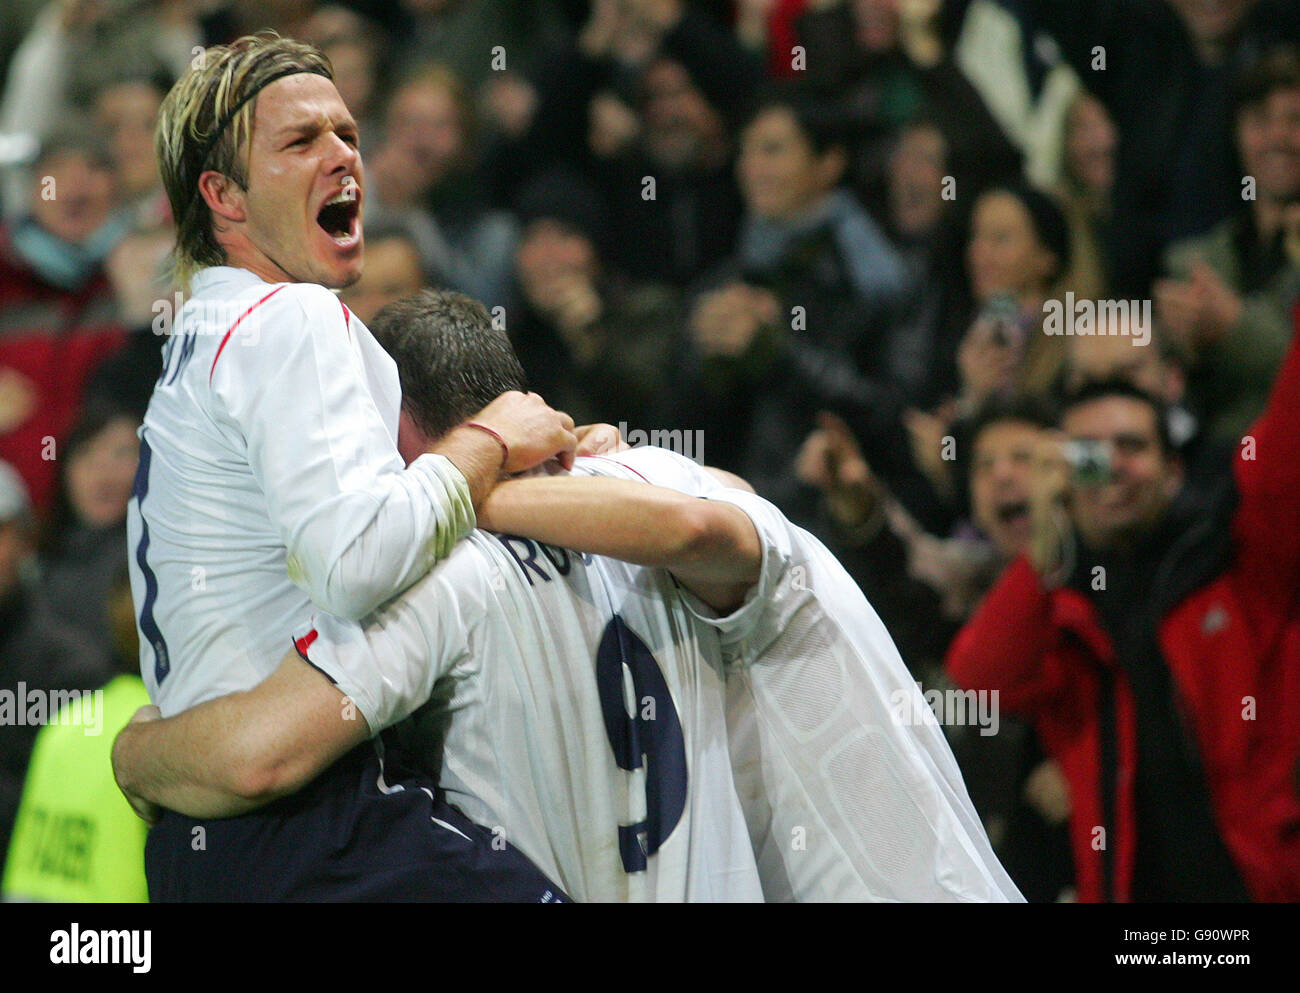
357 526
783 584
388 662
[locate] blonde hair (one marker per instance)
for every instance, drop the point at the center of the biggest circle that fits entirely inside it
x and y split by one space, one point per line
205 123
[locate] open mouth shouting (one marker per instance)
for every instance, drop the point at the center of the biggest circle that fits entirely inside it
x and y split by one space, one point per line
339 216
1013 512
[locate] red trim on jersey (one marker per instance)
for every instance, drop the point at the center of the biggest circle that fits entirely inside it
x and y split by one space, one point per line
222 346
347 317
305 642
623 464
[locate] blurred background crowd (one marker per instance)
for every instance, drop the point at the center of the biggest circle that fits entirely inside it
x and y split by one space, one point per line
819 241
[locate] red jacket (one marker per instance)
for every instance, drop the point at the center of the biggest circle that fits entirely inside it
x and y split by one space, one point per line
56 339
1233 651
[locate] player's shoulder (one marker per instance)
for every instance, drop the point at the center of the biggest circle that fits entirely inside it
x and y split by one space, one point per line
651 464
235 307
227 291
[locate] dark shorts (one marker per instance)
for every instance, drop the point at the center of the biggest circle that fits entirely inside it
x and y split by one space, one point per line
352 835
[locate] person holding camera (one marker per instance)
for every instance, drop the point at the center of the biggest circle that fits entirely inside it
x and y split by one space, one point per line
1151 640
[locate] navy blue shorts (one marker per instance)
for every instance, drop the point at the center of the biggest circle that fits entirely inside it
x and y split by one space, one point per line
343 838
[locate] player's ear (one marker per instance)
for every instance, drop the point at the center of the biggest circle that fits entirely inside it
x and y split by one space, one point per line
223 196
411 441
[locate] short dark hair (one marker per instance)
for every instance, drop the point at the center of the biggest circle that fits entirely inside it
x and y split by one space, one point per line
1021 409
1118 386
75 139
451 359
823 125
1049 222
1278 68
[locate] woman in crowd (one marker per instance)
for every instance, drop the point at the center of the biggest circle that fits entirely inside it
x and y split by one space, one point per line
85 544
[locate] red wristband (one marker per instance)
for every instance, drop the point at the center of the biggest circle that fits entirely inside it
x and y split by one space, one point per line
505 449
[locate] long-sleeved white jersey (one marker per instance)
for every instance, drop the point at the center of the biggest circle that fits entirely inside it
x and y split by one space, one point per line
576 709
269 479
847 795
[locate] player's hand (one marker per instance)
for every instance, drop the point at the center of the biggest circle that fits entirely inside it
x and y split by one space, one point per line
599 439
532 431
149 812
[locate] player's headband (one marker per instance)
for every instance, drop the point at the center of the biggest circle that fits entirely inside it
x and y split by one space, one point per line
230 114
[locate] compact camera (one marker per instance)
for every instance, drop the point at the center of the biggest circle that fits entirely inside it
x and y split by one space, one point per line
1092 461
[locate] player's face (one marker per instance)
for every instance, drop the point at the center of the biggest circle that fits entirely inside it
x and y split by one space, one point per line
1001 471
305 185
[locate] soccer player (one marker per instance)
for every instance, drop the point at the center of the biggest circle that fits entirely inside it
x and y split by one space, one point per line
879 809
269 479
577 708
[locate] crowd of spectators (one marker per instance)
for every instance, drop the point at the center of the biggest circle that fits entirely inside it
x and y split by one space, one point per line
997 297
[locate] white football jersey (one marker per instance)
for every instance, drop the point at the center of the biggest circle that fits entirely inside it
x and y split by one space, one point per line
269 478
577 709
850 789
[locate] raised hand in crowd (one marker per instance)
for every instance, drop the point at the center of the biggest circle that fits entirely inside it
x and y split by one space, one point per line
1198 311
725 322
832 461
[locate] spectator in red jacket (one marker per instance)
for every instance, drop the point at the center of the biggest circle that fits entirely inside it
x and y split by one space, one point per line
1152 641
57 314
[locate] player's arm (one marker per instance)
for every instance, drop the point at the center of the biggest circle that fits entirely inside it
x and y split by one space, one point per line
523 431
711 547
358 527
729 479
235 753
